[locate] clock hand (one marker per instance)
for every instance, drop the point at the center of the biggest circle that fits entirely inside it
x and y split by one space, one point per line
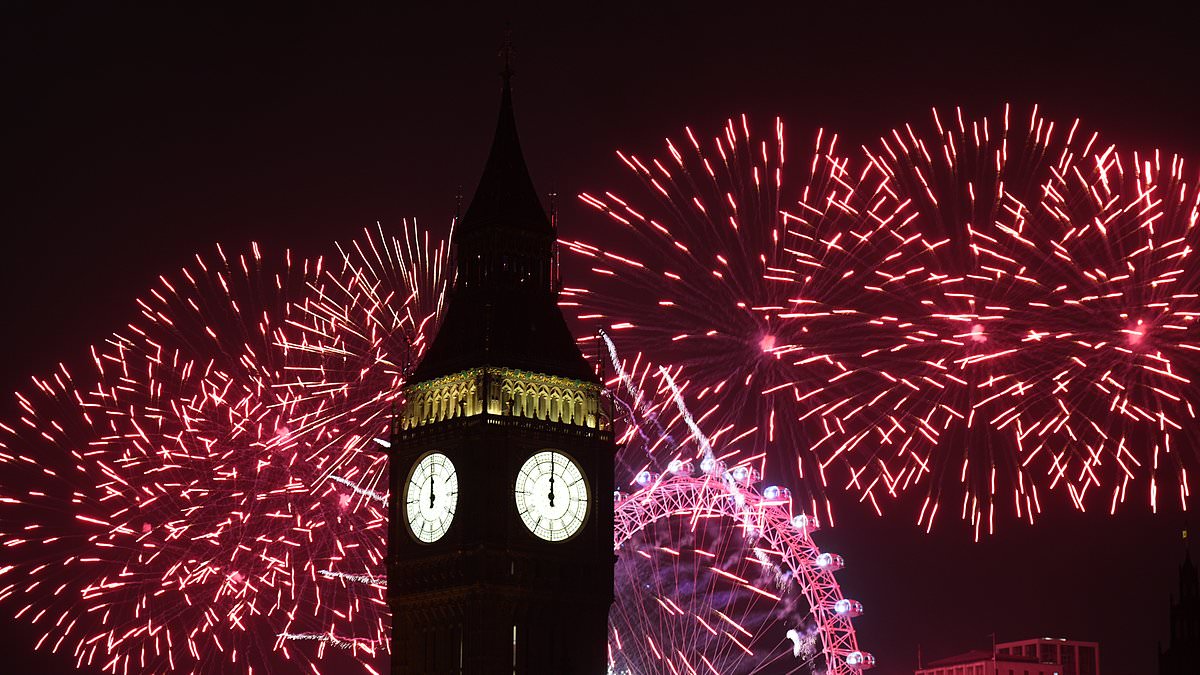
551 481
431 494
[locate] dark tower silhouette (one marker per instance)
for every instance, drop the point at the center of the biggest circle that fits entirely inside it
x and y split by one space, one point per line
1182 656
501 516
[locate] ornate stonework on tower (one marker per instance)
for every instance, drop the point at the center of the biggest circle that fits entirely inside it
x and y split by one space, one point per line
501 514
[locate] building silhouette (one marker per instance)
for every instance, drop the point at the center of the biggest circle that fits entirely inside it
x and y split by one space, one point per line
1182 656
500 556
1075 657
1033 656
986 662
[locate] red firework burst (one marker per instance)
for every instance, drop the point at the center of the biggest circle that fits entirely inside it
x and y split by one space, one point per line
1003 310
221 468
749 284
1042 335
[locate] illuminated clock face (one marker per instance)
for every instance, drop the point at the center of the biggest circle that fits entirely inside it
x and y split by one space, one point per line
552 495
431 496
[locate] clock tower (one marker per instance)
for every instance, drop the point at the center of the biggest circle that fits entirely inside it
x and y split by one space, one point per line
500 555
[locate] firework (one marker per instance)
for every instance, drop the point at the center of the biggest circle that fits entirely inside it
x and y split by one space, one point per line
749 284
1041 335
222 465
188 463
999 312
358 331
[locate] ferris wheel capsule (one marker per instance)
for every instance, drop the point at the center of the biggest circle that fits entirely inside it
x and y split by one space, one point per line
860 660
646 477
848 607
830 562
775 493
806 523
680 467
709 465
744 475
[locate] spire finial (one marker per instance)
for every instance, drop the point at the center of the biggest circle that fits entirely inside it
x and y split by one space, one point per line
509 55
555 267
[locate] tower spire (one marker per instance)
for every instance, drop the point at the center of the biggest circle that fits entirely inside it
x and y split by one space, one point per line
504 310
555 263
509 55
506 196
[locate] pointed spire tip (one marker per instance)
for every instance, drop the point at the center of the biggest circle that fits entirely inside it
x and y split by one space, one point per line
509 55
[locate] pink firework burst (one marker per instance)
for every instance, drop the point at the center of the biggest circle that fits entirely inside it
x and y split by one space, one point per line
1043 330
214 485
749 284
989 313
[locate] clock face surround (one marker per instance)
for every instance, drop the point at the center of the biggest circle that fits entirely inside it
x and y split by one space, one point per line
551 493
431 497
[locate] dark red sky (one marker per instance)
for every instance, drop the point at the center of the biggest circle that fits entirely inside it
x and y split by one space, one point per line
133 139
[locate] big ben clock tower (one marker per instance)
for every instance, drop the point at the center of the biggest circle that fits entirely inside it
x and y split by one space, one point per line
500 556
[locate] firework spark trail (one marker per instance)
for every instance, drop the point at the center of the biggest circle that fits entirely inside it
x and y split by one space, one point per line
358 578
325 639
637 406
380 497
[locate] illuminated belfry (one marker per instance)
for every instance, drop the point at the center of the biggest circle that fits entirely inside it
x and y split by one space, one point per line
501 461
501 391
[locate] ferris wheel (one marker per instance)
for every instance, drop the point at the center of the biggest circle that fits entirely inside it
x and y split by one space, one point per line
715 577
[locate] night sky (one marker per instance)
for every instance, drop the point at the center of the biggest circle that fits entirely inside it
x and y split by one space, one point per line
133 139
